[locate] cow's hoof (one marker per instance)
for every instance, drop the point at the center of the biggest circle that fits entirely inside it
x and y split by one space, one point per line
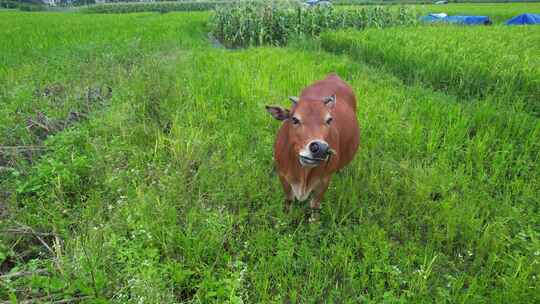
315 215
287 206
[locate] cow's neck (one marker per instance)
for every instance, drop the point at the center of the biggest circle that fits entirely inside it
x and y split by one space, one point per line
300 174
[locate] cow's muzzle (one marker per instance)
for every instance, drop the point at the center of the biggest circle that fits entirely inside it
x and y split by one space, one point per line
314 153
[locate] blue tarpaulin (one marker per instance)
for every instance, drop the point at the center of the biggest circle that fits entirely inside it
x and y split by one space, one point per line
467 20
431 18
524 19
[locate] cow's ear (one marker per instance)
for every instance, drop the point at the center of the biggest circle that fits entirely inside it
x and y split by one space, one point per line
278 113
330 101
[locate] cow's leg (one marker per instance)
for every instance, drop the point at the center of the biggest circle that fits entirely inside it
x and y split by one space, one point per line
288 194
315 202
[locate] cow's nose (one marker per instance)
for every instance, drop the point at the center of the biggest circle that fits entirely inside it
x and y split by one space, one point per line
314 147
318 149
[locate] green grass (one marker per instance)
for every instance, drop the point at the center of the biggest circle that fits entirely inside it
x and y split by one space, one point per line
31 64
500 62
166 193
497 12
161 6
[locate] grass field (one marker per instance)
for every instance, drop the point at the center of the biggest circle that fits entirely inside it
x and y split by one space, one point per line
162 7
466 61
497 12
163 189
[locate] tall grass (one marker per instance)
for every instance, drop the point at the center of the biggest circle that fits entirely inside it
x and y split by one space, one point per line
160 6
259 23
470 62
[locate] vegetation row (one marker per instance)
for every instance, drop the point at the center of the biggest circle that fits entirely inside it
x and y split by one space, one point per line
257 23
163 7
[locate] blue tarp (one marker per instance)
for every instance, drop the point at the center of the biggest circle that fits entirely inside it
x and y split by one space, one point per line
524 19
432 18
468 20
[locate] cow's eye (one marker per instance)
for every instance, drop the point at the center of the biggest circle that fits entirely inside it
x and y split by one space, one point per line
295 121
329 120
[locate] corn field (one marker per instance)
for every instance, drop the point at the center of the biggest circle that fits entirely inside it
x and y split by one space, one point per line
163 7
256 23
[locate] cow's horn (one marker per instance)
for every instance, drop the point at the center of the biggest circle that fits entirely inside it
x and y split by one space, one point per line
330 99
294 99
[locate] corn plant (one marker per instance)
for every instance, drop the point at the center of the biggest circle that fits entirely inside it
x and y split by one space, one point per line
256 23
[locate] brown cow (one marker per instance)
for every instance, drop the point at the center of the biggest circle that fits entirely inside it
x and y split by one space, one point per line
319 135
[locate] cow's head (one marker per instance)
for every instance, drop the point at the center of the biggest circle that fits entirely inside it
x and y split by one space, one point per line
311 125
